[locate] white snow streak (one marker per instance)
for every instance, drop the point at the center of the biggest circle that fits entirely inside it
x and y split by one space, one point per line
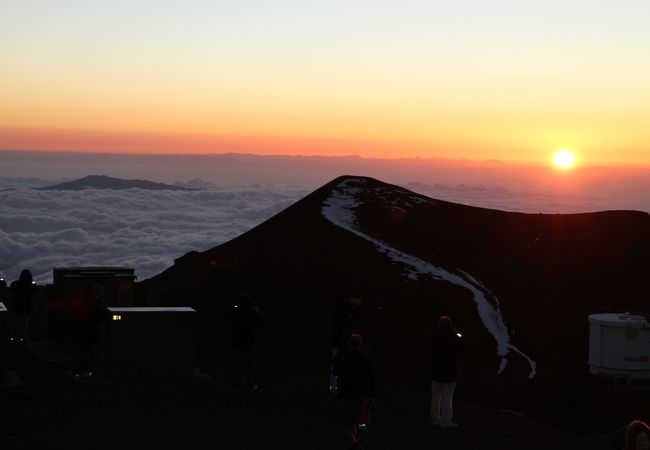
339 209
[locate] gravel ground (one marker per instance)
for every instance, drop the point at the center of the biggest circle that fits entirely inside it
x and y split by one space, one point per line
52 411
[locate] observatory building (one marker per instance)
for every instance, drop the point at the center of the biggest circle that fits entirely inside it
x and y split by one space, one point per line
619 345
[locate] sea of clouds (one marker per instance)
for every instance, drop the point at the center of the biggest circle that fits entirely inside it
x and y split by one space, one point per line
143 229
147 229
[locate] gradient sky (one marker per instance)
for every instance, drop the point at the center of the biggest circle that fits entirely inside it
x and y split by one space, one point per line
509 80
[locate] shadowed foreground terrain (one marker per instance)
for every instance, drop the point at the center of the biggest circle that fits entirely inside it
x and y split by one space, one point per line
520 288
52 412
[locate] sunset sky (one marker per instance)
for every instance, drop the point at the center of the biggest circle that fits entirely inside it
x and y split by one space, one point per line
509 80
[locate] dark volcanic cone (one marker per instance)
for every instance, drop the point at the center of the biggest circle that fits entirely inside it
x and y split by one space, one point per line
519 286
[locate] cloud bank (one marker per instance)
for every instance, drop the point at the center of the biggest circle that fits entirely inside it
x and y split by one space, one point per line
144 229
148 229
509 199
491 184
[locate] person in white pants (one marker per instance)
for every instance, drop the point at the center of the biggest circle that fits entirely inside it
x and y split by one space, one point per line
442 404
445 348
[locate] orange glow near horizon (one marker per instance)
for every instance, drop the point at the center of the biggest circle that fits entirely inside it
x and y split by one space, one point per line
67 140
428 79
182 143
177 143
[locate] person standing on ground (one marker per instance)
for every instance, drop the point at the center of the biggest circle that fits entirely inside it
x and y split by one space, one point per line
445 348
22 290
3 333
345 321
355 372
3 286
4 292
246 320
84 319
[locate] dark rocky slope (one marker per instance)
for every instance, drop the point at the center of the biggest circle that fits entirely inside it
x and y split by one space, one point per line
548 273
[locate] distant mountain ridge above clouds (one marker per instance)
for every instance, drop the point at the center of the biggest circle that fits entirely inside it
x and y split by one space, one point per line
509 186
106 182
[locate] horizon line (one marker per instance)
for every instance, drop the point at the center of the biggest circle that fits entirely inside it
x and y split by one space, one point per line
442 159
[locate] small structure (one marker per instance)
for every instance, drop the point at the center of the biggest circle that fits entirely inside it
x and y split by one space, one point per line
117 282
72 288
150 342
619 345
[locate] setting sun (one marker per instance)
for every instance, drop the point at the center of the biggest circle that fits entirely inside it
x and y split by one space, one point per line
564 159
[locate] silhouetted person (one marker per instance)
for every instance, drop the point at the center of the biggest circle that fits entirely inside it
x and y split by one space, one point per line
85 315
3 333
4 297
355 373
637 436
22 291
445 348
345 321
245 323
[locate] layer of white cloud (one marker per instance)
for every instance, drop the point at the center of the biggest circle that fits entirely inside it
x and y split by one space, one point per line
519 200
148 229
143 229
490 184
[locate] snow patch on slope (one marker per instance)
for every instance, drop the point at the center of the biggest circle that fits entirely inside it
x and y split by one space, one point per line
340 208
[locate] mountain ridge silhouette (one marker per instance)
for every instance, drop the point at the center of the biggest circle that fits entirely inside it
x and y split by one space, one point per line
107 182
543 273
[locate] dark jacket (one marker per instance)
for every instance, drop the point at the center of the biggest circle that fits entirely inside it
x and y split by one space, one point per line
355 371
445 348
4 292
22 293
345 321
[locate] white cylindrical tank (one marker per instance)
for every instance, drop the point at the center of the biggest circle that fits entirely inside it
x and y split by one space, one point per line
619 345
